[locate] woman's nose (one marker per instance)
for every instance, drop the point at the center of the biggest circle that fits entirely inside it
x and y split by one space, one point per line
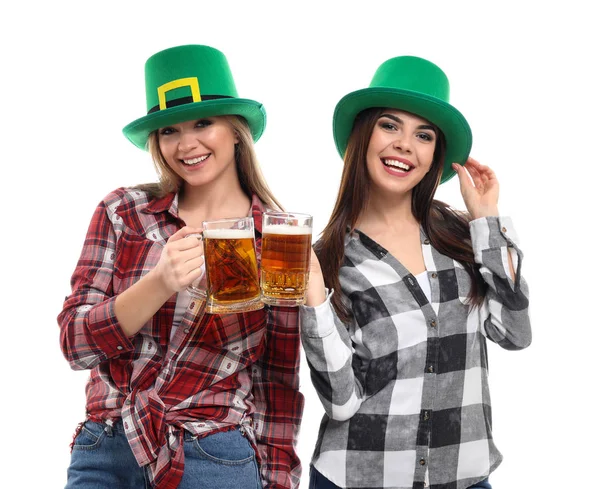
187 141
402 143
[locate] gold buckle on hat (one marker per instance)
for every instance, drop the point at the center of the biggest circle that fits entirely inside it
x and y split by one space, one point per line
191 82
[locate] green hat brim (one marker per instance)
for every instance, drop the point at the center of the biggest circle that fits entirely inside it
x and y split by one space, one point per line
450 121
137 131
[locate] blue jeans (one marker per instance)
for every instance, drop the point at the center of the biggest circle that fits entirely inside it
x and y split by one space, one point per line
319 481
102 459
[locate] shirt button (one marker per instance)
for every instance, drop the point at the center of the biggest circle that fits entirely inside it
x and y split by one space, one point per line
430 369
434 275
422 461
433 324
425 415
426 242
503 229
186 330
119 347
127 401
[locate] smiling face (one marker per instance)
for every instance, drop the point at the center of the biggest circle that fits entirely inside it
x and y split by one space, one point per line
201 152
400 151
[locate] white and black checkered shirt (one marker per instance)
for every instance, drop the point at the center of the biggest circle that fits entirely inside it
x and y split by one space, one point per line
405 385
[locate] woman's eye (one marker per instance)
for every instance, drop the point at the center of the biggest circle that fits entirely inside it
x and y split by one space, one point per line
425 137
388 125
203 123
165 131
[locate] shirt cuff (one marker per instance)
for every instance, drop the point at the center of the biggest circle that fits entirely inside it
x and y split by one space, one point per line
106 330
283 318
318 321
492 232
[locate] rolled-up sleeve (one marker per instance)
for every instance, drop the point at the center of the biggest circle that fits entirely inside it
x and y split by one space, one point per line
89 330
505 312
335 371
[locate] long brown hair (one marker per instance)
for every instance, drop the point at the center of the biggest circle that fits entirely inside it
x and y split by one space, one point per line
446 228
248 168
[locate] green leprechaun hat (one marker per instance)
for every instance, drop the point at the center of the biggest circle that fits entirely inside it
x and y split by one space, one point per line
189 82
414 85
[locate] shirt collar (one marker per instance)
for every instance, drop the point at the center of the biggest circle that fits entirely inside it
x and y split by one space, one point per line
168 203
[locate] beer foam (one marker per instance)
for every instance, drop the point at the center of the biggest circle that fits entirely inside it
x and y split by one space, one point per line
286 229
228 234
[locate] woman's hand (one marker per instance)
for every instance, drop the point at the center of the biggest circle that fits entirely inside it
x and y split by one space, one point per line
180 260
315 294
178 266
480 192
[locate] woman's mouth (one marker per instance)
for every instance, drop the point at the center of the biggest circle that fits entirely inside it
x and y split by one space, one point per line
195 161
397 167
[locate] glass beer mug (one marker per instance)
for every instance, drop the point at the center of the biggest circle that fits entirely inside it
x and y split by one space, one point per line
232 283
286 243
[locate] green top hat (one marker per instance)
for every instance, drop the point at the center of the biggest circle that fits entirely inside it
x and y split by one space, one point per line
189 82
414 85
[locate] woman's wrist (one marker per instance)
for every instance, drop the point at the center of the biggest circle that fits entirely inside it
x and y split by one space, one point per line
485 212
316 293
314 300
159 285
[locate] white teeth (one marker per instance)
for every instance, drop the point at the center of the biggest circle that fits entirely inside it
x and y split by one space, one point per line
397 164
193 161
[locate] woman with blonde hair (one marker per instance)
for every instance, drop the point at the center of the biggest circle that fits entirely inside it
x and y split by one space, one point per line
178 398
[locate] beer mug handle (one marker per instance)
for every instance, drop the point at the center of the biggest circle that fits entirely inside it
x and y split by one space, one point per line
197 289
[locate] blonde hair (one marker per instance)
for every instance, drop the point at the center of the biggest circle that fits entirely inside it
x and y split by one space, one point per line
248 168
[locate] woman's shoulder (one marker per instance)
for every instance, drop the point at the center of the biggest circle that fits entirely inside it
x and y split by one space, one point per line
132 195
128 198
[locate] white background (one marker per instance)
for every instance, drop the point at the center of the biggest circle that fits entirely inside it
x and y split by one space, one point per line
522 73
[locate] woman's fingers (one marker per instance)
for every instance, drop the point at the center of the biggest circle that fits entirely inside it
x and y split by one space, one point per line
184 232
474 171
184 243
466 180
181 258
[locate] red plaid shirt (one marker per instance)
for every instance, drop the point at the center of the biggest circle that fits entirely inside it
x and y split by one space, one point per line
215 373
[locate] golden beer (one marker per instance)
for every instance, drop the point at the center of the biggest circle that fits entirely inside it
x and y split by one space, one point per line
285 262
231 270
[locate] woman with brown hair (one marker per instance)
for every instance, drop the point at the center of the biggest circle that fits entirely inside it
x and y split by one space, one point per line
178 398
397 345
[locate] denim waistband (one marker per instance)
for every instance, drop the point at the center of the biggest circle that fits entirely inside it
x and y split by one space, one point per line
112 427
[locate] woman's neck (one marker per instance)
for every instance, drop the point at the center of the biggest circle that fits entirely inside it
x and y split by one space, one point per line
387 212
205 203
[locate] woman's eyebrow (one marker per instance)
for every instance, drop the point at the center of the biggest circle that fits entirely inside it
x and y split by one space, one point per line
400 121
393 117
